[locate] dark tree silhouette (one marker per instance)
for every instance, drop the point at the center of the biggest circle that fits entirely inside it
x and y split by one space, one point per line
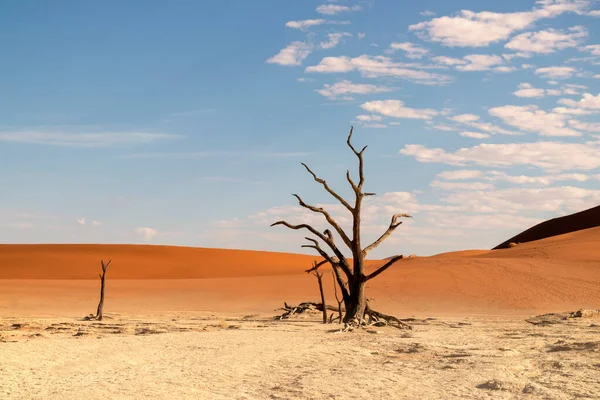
102 283
350 276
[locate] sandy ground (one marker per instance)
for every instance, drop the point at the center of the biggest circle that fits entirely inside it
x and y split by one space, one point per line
181 356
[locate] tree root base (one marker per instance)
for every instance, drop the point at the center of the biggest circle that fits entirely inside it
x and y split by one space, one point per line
374 318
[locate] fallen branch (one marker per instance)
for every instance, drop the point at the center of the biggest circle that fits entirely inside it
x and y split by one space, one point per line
301 308
376 318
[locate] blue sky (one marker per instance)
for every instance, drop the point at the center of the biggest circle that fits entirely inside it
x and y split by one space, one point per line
185 123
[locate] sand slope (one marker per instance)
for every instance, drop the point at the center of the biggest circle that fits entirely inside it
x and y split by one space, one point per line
558 273
586 219
82 261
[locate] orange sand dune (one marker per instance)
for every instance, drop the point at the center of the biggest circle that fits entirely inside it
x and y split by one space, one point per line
82 261
585 219
461 254
578 246
558 273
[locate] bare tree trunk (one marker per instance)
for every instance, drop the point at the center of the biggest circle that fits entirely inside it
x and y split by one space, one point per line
320 280
357 303
336 297
102 283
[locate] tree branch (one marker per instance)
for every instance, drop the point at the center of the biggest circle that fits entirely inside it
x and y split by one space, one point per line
384 267
358 154
393 225
333 260
301 226
328 189
351 182
330 220
316 265
340 281
325 237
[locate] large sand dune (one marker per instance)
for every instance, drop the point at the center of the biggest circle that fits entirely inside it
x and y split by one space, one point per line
585 219
562 272
82 261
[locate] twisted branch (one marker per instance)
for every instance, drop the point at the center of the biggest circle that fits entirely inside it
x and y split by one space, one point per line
358 154
334 261
326 237
330 220
393 225
328 189
384 267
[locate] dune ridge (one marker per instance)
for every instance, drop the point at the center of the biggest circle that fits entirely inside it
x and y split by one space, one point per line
585 219
82 261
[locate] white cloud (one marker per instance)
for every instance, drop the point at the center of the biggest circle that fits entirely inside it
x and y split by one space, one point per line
504 69
552 156
460 174
334 40
396 109
461 185
412 50
544 180
104 139
527 90
147 233
547 41
473 62
304 24
556 72
473 121
496 176
361 35
376 67
96 223
475 135
588 101
444 60
464 118
332 9
480 62
81 221
308 23
532 119
481 222
375 125
445 128
476 29
585 126
512 200
594 49
427 13
292 55
369 118
345 90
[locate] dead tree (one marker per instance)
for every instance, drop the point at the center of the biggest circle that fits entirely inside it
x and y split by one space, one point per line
320 280
350 276
102 282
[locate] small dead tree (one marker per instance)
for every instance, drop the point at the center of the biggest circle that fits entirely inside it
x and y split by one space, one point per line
351 277
319 276
102 282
